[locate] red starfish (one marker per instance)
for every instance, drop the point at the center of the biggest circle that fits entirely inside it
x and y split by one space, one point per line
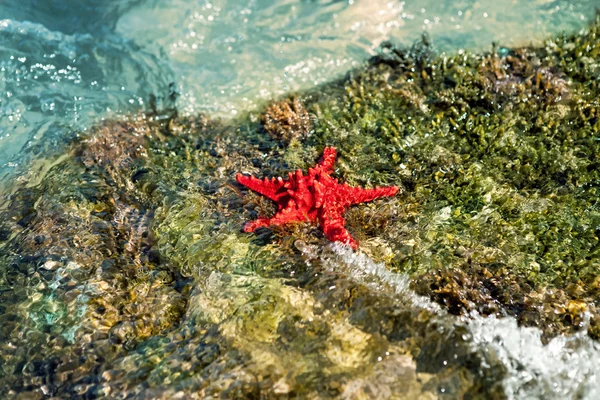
316 197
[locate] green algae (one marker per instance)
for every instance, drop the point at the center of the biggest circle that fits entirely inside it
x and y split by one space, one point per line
498 156
124 271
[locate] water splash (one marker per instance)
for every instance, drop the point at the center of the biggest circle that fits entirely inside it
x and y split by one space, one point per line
52 83
567 367
360 268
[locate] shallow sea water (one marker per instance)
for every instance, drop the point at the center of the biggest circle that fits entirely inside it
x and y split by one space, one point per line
65 65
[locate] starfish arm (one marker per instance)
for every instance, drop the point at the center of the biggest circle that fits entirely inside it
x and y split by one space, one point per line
319 194
288 214
267 187
288 218
360 195
335 231
292 212
257 223
328 159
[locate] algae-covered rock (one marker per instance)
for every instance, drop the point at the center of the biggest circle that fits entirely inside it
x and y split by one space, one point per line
286 120
499 159
124 271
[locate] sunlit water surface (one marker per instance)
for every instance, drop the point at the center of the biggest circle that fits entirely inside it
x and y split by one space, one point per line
65 65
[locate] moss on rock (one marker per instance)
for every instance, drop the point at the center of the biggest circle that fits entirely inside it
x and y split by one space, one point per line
124 270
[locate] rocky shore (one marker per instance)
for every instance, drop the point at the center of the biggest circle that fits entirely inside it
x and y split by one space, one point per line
124 271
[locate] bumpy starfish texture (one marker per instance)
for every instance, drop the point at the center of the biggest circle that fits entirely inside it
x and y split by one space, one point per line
316 197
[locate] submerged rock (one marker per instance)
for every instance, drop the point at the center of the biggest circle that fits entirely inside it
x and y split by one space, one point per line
125 273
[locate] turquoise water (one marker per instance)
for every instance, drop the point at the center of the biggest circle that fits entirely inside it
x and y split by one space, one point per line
67 64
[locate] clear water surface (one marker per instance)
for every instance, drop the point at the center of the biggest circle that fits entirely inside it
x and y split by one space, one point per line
65 64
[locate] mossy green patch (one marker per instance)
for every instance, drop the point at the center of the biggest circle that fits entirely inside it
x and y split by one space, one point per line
124 270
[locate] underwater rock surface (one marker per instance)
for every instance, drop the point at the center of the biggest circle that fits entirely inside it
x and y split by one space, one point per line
124 272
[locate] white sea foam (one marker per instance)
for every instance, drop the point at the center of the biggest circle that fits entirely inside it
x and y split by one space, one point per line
361 268
567 367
